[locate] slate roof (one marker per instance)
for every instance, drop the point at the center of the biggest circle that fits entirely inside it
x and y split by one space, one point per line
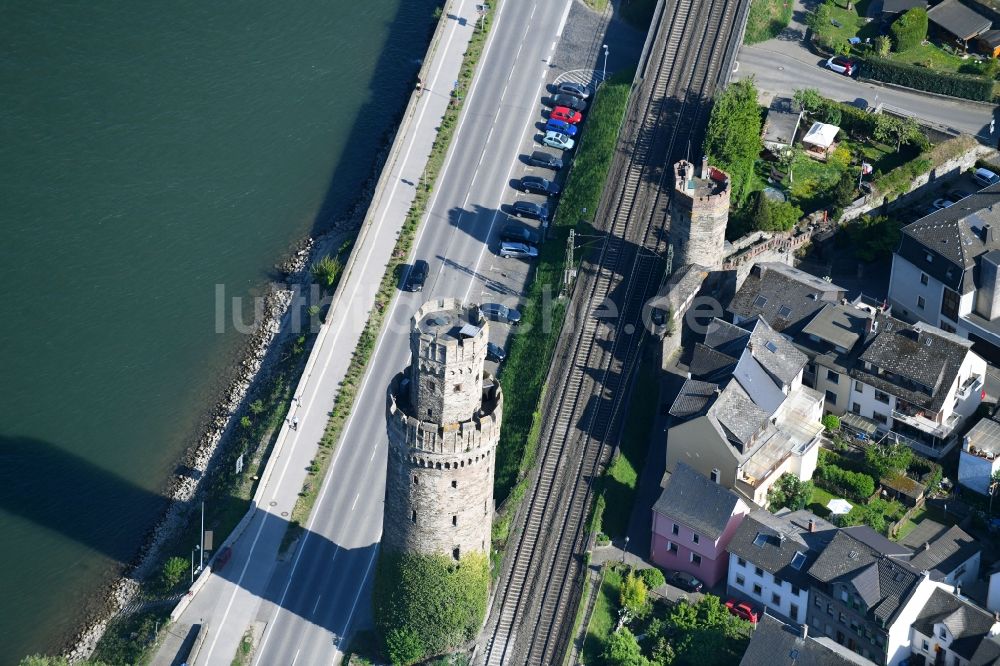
926 531
946 553
922 354
695 500
775 353
774 643
968 624
725 343
771 542
736 416
958 19
707 363
884 582
954 239
693 398
783 116
784 296
988 653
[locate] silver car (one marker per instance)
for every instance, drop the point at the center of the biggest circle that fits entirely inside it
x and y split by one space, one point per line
558 140
518 250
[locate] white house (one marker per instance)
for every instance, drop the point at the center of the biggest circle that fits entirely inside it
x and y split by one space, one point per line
980 456
947 268
950 630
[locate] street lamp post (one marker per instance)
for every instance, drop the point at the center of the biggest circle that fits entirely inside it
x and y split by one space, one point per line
625 550
604 73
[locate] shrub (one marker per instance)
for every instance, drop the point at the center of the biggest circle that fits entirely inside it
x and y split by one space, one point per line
633 594
653 578
623 649
882 45
911 76
886 459
855 485
429 603
770 215
327 271
909 29
173 572
873 238
831 422
789 491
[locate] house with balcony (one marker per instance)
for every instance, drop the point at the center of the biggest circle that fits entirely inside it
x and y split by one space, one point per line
744 418
979 459
865 596
693 522
950 630
918 383
946 271
769 557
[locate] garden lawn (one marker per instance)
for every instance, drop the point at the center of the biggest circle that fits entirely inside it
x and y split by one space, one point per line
766 19
848 24
603 618
818 501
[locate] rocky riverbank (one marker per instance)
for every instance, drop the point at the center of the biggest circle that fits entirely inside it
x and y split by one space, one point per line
251 371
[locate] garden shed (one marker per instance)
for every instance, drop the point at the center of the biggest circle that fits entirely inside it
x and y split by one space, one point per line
781 124
890 9
989 43
820 140
958 21
903 488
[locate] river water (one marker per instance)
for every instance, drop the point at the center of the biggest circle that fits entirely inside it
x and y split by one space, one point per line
149 152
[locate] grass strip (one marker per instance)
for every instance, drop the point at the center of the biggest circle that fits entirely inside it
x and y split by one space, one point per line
604 616
542 315
351 384
766 19
618 484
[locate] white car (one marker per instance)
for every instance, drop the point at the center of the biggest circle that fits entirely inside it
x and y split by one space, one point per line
558 140
841 65
985 177
518 250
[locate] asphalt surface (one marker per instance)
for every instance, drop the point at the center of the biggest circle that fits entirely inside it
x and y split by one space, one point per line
780 67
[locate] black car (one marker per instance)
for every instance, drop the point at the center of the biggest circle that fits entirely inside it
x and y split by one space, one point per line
540 158
685 581
539 185
531 210
495 353
575 103
572 88
517 233
418 275
500 313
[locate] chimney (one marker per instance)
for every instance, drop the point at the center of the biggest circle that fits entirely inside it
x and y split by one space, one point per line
704 169
805 631
988 236
812 528
927 545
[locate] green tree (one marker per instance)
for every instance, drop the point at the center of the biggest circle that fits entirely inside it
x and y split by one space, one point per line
844 192
663 652
819 18
882 46
809 99
257 407
431 598
909 29
789 491
732 139
887 459
653 578
174 570
770 215
327 271
897 130
831 422
623 649
873 238
633 594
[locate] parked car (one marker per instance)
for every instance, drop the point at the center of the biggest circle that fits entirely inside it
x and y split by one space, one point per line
566 114
985 177
685 581
495 353
841 65
950 199
569 101
540 158
743 610
518 233
531 210
500 313
558 140
517 250
418 275
573 88
560 126
539 185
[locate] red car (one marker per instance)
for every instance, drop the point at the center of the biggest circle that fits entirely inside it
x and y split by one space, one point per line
743 610
566 114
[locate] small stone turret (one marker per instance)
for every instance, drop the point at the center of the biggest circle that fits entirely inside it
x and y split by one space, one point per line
443 418
699 212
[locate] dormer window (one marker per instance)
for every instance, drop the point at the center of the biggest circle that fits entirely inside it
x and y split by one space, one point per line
942 633
929 257
760 301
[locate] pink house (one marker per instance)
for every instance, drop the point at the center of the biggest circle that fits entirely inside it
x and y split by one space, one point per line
693 521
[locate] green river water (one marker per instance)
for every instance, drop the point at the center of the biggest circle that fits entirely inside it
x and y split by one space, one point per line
149 152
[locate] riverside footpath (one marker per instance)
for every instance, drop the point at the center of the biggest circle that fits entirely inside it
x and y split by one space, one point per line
226 603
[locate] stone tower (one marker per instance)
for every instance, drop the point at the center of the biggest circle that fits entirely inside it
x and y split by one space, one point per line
699 212
443 424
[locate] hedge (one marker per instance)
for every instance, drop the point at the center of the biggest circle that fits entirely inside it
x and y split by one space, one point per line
922 78
855 485
909 29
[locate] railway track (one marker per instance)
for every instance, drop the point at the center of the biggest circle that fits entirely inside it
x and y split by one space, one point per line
532 611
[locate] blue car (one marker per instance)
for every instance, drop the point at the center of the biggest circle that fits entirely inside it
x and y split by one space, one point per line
560 126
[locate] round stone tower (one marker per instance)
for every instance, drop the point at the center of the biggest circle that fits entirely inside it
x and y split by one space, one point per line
443 424
699 212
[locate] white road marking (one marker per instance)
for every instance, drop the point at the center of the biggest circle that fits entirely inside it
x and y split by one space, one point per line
355 501
316 605
562 22
354 606
296 657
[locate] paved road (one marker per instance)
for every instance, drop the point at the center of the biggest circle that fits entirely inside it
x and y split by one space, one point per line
776 70
321 593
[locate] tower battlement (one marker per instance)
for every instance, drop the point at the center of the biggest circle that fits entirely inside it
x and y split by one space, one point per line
699 213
